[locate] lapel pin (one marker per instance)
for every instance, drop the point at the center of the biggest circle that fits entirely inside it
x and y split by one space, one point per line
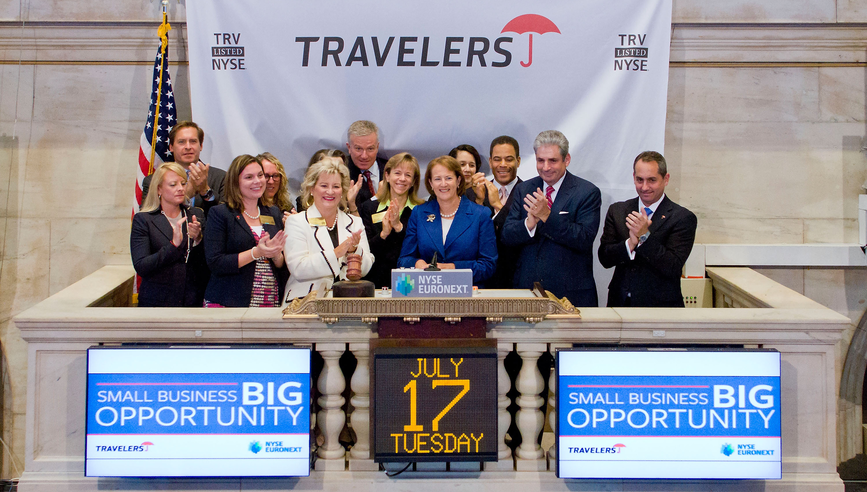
431 217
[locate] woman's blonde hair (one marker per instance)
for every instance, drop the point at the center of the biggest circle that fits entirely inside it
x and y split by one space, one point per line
281 199
326 165
152 200
384 192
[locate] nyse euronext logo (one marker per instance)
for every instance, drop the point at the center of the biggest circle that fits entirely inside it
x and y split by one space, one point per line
727 449
405 284
425 51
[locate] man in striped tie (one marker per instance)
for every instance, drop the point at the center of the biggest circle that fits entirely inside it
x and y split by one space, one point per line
553 220
647 239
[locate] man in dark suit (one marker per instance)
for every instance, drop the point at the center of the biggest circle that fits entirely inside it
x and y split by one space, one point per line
554 220
205 186
505 157
647 239
365 166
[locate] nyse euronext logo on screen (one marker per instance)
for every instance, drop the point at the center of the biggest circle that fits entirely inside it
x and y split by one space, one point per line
272 447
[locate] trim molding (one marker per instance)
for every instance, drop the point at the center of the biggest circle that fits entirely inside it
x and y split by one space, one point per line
692 45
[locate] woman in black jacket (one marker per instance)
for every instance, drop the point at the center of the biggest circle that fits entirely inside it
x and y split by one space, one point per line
386 215
166 244
244 242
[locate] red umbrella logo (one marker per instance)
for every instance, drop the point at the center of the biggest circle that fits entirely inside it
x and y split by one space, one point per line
530 23
619 446
147 444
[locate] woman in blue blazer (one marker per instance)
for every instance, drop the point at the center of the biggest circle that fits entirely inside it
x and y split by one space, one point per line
244 242
459 231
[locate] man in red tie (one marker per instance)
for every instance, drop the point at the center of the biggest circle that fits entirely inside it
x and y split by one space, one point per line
647 239
554 225
362 142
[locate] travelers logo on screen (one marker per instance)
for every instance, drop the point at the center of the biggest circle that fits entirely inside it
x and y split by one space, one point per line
405 284
423 51
727 449
619 447
147 445
255 447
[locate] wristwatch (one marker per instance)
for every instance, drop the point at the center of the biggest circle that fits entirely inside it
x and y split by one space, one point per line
209 196
643 238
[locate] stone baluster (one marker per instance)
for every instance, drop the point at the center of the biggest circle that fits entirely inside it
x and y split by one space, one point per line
530 417
331 418
359 455
504 384
552 402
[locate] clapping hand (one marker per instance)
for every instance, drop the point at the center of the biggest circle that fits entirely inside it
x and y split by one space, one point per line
199 177
194 229
349 245
536 205
178 232
494 196
638 224
391 221
271 247
354 188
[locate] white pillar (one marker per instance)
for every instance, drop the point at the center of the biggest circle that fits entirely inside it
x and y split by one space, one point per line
504 419
530 418
359 455
331 418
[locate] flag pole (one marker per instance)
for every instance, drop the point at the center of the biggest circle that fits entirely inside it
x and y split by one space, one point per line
163 33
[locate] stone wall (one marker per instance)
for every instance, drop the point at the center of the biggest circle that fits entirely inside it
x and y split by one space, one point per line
766 120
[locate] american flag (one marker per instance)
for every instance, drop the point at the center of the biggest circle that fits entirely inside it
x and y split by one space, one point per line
162 115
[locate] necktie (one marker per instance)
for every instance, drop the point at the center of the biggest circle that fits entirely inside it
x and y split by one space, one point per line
366 174
648 211
548 192
504 195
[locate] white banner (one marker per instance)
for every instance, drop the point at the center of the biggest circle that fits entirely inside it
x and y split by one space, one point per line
289 76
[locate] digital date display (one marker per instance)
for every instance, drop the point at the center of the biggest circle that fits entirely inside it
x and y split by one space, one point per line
435 404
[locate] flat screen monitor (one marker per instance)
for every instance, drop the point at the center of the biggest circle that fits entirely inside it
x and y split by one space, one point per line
193 412
668 414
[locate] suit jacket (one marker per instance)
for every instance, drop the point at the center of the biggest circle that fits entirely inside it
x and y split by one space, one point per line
560 253
386 251
354 173
470 243
310 253
216 181
508 257
228 235
652 279
169 279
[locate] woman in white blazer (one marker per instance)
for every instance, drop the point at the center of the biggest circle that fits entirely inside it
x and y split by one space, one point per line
318 239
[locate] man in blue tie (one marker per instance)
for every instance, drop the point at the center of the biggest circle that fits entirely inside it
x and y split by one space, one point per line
553 220
647 239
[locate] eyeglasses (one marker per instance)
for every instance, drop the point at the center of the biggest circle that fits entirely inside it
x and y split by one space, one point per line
275 177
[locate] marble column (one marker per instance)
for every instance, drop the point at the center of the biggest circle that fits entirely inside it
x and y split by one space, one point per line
530 417
331 418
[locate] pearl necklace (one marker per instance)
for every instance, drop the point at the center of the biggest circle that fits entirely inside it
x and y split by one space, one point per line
448 216
251 217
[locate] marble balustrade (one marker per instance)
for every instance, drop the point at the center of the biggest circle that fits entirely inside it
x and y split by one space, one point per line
60 329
